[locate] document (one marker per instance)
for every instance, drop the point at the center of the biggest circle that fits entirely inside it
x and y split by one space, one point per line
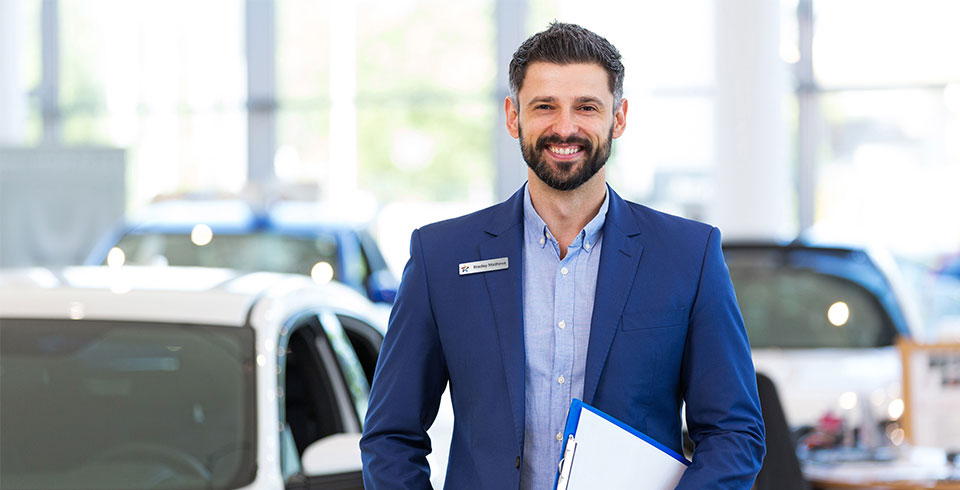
602 452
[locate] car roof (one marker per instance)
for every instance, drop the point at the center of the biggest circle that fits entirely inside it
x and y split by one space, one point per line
164 294
238 216
888 285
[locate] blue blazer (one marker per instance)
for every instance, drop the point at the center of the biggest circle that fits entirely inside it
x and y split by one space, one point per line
665 330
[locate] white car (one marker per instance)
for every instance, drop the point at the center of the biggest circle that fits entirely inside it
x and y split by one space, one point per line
125 378
822 323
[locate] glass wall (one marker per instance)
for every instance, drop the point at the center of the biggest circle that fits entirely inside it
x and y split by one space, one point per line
21 120
303 91
876 115
166 81
425 111
887 87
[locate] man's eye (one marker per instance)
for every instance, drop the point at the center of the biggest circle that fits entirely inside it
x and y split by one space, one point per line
542 106
588 108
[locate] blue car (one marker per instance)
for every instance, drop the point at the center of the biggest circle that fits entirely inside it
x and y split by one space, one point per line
287 236
952 267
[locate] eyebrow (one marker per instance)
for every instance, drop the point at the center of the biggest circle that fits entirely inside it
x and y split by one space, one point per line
584 99
541 99
589 100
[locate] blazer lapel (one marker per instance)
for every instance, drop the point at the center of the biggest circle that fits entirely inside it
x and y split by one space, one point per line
506 297
619 260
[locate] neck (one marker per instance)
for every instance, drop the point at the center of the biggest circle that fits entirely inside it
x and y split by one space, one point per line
567 212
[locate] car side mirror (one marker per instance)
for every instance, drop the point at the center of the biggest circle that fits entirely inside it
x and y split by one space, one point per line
338 453
384 295
382 287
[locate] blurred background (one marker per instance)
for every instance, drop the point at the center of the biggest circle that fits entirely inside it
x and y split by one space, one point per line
762 117
834 121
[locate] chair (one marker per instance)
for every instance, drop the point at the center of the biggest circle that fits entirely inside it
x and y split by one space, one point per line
781 467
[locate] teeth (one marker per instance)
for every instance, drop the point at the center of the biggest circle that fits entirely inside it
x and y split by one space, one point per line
565 151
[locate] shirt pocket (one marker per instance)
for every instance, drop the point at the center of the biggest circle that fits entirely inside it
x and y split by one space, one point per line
653 318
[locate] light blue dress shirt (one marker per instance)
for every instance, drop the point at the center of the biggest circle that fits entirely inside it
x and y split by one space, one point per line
557 308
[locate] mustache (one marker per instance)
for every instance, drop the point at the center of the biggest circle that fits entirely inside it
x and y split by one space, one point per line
543 141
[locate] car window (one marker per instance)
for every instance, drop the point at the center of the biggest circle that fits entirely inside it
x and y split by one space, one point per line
254 251
371 251
349 363
790 307
366 341
98 404
378 280
354 267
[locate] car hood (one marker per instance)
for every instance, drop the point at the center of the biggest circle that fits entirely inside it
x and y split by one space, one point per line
812 381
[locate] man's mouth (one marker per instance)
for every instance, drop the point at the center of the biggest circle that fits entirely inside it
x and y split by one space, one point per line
564 150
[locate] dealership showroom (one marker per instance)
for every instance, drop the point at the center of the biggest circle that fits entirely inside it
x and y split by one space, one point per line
218 268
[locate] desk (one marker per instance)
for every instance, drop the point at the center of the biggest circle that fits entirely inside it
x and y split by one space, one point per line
915 470
894 485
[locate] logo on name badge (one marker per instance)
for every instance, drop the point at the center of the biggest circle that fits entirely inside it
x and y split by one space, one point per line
484 266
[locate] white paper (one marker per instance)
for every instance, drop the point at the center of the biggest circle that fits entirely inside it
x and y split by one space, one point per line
611 458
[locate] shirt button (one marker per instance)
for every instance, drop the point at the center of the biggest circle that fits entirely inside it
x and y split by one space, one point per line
541 240
562 324
561 379
564 271
559 436
586 246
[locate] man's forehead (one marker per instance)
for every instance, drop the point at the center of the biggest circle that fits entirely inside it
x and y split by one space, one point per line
546 79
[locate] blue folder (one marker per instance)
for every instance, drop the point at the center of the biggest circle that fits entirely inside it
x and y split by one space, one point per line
600 451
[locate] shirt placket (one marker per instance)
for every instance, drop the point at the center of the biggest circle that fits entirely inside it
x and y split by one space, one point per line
563 364
582 312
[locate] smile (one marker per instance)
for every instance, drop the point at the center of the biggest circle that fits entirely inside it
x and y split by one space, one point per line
564 150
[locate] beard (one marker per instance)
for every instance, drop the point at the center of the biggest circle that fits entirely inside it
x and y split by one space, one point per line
566 176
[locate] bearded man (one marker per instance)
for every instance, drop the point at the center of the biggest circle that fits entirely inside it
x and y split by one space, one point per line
563 291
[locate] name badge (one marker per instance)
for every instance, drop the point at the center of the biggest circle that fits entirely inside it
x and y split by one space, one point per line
484 266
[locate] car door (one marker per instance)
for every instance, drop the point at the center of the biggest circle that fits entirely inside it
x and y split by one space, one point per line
323 398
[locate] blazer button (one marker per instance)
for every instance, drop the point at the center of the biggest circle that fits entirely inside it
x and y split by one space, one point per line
517 463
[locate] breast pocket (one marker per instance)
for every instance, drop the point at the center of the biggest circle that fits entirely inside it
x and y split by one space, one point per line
648 319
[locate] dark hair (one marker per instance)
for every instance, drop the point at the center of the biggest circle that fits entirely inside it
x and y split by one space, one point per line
564 44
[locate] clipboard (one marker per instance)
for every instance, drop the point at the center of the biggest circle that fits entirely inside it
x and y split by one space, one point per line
600 451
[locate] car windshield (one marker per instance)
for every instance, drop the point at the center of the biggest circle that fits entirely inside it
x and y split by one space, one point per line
109 405
788 305
259 251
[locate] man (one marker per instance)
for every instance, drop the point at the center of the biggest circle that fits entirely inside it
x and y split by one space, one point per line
564 290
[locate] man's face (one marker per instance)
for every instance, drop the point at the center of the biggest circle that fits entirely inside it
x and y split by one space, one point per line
565 122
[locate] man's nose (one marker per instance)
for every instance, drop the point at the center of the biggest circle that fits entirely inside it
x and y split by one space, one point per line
565 125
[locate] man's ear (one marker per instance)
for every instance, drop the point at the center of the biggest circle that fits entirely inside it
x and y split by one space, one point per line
513 117
620 119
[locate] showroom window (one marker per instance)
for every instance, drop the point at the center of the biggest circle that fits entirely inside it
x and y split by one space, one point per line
879 122
163 80
425 114
395 102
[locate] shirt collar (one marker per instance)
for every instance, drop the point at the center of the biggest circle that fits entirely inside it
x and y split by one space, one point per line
537 228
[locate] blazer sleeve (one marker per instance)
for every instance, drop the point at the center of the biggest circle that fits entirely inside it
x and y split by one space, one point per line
719 384
410 377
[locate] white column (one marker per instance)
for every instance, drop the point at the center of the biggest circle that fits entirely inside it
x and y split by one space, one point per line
342 175
13 117
49 89
511 171
260 35
808 117
754 196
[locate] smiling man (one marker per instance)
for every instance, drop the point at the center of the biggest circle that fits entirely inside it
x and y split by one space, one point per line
563 291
